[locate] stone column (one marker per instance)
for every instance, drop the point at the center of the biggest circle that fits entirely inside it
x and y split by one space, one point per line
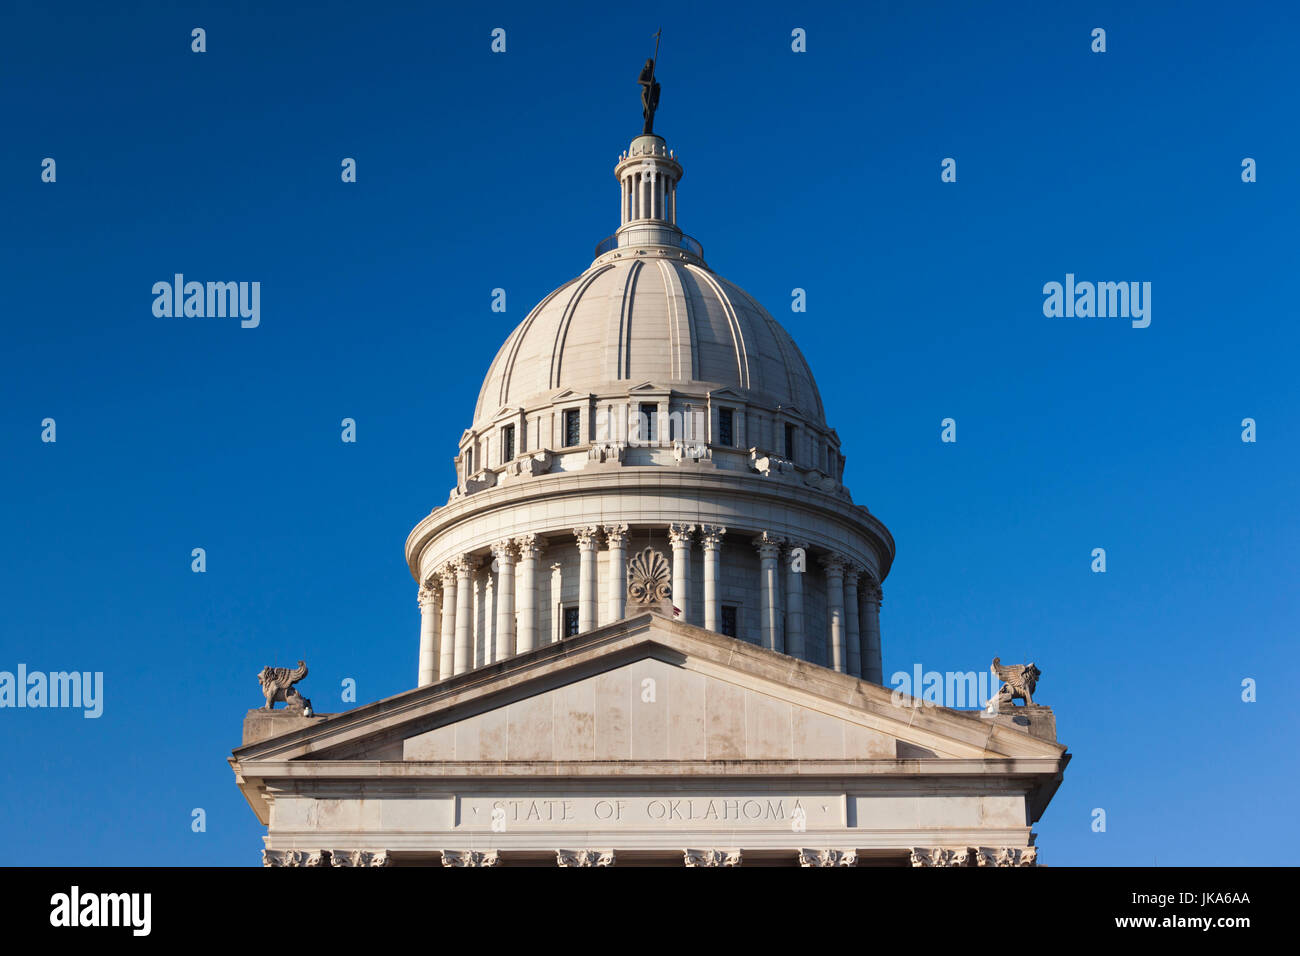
871 662
447 643
427 598
711 539
616 539
464 614
852 631
504 553
796 562
769 550
834 566
557 609
588 538
530 549
680 536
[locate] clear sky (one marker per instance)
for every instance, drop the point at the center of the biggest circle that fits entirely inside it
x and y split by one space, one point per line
817 170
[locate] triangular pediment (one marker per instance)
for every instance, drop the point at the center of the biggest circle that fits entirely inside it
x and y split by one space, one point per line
651 689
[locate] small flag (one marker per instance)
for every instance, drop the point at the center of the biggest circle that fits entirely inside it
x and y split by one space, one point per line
677 612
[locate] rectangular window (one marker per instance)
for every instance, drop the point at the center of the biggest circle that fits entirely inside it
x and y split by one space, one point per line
570 621
507 444
573 427
789 441
648 423
726 427
729 620
469 462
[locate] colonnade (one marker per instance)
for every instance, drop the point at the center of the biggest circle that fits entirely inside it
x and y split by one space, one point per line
447 618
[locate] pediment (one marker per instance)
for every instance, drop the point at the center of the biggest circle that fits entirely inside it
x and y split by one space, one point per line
651 690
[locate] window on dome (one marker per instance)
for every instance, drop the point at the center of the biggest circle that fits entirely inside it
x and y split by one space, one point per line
570 621
646 429
507 444
726 427
789 441
469 462
572 427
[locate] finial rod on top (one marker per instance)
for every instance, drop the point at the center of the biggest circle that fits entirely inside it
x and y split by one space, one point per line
650 89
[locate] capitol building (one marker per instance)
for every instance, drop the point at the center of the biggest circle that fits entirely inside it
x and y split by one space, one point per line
650 618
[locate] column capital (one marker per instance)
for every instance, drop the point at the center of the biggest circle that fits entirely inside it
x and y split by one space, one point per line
584 857
293 858
427 596
711 536
464 564
470 858
557 567
833 563
872 592
588 536
681 534
616 535
504 551
530 545
942 856
712 857
1006 856
852 571
767 544
828 857
360 858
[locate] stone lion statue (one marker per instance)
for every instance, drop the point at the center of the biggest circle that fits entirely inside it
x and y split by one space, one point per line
277 684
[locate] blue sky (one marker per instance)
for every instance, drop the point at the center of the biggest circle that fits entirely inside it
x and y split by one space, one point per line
819 171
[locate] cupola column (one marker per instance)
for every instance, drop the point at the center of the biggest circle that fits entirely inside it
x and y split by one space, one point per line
427 598
616 539
680 535
796 562
769 551
834 566
852 631
587 541
711 539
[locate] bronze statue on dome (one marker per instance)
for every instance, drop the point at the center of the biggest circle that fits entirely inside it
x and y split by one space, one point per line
649 90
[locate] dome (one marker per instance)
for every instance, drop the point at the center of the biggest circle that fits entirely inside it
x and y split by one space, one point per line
649 407
650 315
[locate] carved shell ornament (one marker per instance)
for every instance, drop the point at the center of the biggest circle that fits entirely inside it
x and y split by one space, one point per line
649 578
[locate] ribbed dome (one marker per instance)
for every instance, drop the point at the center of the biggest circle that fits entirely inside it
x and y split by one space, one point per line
649 315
